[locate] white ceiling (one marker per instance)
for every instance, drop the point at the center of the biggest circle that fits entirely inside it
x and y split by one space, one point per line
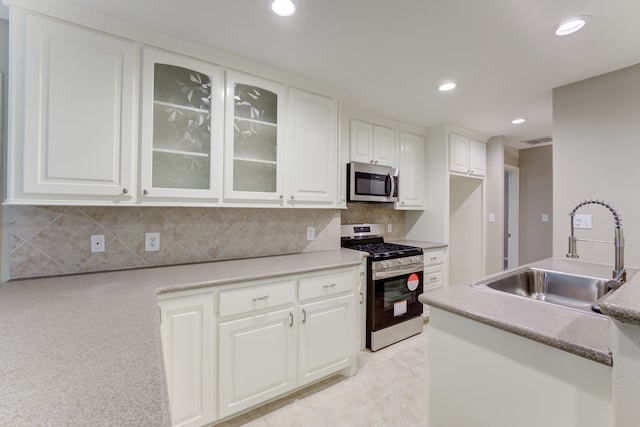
388 56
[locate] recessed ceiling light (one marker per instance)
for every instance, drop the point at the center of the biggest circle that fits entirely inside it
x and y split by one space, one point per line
572 25
446 86
283 7
518 120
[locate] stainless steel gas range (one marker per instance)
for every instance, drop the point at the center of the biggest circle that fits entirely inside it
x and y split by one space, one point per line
394 281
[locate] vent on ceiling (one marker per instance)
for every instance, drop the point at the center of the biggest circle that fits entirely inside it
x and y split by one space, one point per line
542 140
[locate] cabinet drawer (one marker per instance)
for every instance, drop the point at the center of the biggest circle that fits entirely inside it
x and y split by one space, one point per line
433 257
243 300
432 277
326 284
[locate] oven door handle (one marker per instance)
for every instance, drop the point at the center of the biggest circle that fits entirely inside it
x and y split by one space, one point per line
414 268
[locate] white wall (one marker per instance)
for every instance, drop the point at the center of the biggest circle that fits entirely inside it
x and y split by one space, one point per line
596 154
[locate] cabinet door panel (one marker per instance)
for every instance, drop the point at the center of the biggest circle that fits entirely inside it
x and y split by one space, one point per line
412 169
384 146
312 145
477 158
327 337
360 141
257 359
458 153
79 111
182 119
188 341
254 150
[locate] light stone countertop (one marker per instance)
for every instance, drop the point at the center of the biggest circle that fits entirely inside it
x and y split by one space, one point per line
583 334
86 349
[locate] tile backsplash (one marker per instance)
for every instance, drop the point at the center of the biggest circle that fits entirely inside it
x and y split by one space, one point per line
55 240
360 213
48 241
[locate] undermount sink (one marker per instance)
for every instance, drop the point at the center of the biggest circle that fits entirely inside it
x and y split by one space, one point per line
565 289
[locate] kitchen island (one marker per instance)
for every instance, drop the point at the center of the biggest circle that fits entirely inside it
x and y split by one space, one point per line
500 360
86 349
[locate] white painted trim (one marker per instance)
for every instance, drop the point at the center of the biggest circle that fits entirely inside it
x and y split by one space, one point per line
514 214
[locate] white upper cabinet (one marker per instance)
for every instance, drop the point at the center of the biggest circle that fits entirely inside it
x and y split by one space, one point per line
182 126
254 138
73 113
466 156
372 143
412 171
312 147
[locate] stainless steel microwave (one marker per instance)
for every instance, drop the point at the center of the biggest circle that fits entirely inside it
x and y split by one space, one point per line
371 183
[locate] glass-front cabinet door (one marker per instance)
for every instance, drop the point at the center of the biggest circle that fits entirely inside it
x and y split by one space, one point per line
253 137
182 128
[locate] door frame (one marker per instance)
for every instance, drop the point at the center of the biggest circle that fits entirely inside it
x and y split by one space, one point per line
512 217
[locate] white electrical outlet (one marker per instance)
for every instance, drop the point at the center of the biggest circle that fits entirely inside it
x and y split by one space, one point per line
97 243
311 233
582 221
492 217
389 228
152 242
545 217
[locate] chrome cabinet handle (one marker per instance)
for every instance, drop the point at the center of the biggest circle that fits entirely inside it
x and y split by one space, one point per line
329 286
304 316
261 298
433 258
291 323
125 191
145 192
361 298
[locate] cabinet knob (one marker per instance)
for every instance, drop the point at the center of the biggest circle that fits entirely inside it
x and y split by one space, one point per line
145 192
125 191
292 197
281 197
370 161
376 162
402 203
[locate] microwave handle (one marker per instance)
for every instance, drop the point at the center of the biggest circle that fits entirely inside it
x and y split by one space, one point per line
393 185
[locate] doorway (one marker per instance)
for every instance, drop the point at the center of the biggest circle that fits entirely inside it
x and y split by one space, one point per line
511 215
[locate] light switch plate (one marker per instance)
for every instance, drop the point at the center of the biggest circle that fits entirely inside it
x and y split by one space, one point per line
311 233
582 221
492 217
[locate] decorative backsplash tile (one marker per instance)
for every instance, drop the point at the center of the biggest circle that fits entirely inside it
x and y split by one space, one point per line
53 240
49 241
360 213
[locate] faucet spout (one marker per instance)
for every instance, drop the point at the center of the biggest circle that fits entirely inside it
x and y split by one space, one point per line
619 273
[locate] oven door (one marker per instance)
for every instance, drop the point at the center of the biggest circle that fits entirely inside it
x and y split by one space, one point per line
395 297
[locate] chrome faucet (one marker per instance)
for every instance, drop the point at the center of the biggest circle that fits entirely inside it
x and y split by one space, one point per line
619 273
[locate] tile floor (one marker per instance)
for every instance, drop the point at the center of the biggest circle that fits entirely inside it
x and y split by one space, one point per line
390 389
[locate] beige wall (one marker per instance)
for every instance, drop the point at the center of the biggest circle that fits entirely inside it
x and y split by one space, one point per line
536 198
596 155
511 156
494 182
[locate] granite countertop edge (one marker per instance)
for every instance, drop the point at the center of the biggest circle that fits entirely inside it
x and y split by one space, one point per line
88 347
529 333
583 334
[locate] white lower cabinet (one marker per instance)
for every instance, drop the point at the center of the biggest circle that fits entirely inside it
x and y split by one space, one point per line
266 338
257 359
325 339
188 340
